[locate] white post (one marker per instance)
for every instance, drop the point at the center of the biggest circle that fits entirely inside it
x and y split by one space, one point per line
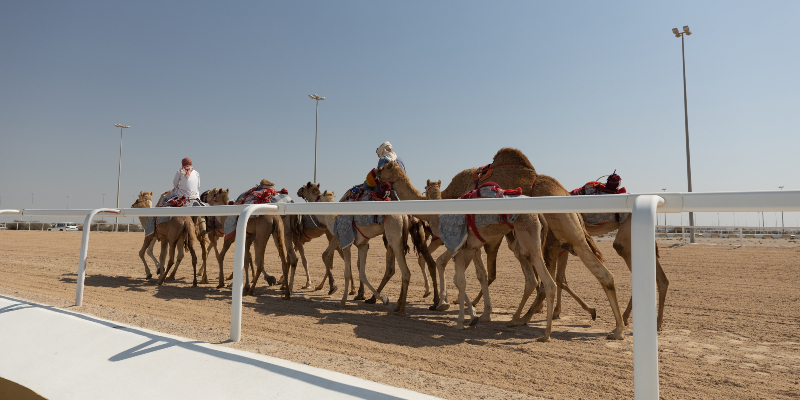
741 238
643 271
238 268
87 227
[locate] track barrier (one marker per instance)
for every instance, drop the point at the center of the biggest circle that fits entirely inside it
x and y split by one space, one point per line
642 206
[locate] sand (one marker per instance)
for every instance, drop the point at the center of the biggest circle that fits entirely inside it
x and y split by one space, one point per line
731 326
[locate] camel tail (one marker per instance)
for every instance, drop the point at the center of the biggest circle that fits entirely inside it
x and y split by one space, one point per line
296 225
657 255
593 246
416 238
406 249
277 233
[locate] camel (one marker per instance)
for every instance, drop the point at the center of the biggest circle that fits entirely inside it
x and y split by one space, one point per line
177 231
557 260
145 200
510 168
311 193
395 227
259 229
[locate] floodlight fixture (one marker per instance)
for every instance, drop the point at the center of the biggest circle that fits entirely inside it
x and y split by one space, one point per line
686 30
676 32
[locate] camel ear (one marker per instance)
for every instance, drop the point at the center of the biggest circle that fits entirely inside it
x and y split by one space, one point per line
428 183
439 183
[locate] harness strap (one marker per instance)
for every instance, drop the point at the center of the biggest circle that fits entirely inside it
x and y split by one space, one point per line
435 239
359 230
471 223
561 253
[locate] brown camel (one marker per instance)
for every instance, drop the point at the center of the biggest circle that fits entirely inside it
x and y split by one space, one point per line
556 259
259 229
145 199
178 231
512 169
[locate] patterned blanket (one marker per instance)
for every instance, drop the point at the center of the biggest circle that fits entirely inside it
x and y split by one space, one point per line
150 224
345 227
453 227
257 195
596 189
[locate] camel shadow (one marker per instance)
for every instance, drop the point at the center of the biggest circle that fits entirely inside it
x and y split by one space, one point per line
107 281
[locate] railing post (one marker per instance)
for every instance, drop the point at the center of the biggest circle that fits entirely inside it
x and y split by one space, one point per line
643 271
85 251
238 268
741 238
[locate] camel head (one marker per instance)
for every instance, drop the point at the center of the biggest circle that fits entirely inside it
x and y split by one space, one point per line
310 192
391 172
145 200
433 190
220 197
327 197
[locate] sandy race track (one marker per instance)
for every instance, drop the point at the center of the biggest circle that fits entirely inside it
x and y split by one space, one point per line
731 328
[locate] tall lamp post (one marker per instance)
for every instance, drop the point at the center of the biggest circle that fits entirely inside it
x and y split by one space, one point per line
316 125
104 200
31 218
782 225
686 116
119 173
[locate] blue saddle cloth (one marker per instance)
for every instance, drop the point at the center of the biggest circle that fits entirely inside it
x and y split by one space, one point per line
345 227
453 228
150 224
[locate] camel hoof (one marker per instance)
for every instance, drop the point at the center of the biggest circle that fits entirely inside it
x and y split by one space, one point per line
308 285
149 276
220 286
474 321
511 324
342 303
333 290
615 336
486 317
204 281
593 313
385 299
361 297
371 300
543 339
229 278
319 287
194 284
428 293
400 313
271 280
171 278
444 306
287 297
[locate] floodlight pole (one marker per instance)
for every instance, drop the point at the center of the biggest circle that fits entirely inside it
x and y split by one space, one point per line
119 173
316 126
686 119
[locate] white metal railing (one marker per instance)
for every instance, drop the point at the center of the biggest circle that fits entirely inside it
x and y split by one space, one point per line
642 206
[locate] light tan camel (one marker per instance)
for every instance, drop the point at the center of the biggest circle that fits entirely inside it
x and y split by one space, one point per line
556 259
512 169
395 227
145 200
401 184
302 235
178 231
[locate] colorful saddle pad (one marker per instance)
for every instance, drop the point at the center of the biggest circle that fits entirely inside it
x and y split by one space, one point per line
258 195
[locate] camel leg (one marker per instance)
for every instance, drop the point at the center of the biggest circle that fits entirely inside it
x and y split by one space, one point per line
363 249
301 250
171 259
530 246
150 253
622 245
480 272
388 273
491 259
327 259
530 284
441 263
561 282
179 248
347 258
397 248
149 242
260 249
462 261
289 258
226 244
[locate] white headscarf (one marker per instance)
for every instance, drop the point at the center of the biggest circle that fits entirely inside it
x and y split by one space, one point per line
382 152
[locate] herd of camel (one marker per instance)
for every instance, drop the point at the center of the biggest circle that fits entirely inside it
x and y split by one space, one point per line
540 242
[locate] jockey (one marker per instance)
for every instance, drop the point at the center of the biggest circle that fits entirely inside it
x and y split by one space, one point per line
387 155
187 181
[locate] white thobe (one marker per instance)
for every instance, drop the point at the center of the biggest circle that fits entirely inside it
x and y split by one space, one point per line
189 187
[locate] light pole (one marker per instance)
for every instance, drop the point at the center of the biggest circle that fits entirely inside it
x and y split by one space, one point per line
665 214
104 200
316 126
119 173
31 218
686 118
782 225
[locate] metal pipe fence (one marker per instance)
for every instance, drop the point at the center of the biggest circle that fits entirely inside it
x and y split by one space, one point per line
643 208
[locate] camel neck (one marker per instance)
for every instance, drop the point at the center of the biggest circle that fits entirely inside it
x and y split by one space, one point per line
406 191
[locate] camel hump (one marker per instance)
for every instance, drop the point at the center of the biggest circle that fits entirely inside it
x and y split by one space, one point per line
265 182
508 155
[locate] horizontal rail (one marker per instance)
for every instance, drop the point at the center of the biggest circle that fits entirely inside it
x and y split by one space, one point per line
788 200
12 212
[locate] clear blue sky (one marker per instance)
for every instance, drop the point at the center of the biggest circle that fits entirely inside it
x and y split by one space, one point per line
583 88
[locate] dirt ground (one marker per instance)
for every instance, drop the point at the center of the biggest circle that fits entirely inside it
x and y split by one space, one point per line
731 327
